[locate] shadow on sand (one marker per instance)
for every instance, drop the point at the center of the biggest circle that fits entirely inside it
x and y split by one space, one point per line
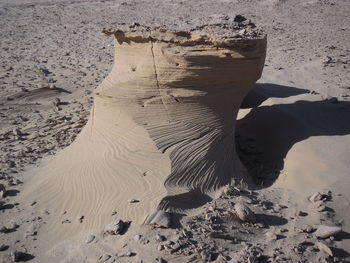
266 134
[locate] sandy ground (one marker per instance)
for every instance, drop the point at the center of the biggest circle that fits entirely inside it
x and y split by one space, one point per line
293 132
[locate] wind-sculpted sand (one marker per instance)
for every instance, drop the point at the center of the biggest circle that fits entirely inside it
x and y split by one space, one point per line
162 124
159 141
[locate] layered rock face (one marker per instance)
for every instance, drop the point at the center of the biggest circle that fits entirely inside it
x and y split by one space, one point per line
161 128
184 88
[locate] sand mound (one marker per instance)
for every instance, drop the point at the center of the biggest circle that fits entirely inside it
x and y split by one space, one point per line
162 124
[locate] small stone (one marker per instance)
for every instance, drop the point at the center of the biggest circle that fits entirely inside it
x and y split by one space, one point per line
322 247
206 255
315 197
17 256
229 190
308 229
2 191
160 238
11 225
271 235
244 199
300 213
134 201
89 239
160 247
244 213
326 60
115 228
158 218
320 206
105 257
333 100
137 237
260 225
3 247
80 219
160 260
324 231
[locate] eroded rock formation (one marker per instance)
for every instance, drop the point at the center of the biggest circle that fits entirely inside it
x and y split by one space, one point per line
161 129
185 88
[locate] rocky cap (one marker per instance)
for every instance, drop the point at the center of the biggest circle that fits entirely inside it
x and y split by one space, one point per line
219 30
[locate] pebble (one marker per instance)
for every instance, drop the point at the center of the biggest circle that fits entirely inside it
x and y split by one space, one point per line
308 229
324 231
244 199
105 257
115 228
244 213
160 260
158 218
2 191
89 239
17 256
271 235
206 255
160 238
137 237
316 197
160 247
324 248
3 247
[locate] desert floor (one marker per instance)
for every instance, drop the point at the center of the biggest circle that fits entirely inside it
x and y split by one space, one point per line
293 131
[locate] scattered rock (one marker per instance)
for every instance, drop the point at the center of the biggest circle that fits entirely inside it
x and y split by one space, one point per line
3 247
308 229
160 247
244 213
271 235
17 256
2 191
206 255
127 254
244 199
158 218
80 219
320 206
327 60
318 197
89 239
324 231
137 237
322 247
105 257
115 228
160 238
230 190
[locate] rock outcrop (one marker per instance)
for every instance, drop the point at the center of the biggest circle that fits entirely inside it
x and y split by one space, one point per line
184 88
161 129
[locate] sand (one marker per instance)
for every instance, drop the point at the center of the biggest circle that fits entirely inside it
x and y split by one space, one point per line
292 133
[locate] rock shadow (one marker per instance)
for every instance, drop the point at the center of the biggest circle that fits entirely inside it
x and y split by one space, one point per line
12 192
263 91
267 133
271 220
181 202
